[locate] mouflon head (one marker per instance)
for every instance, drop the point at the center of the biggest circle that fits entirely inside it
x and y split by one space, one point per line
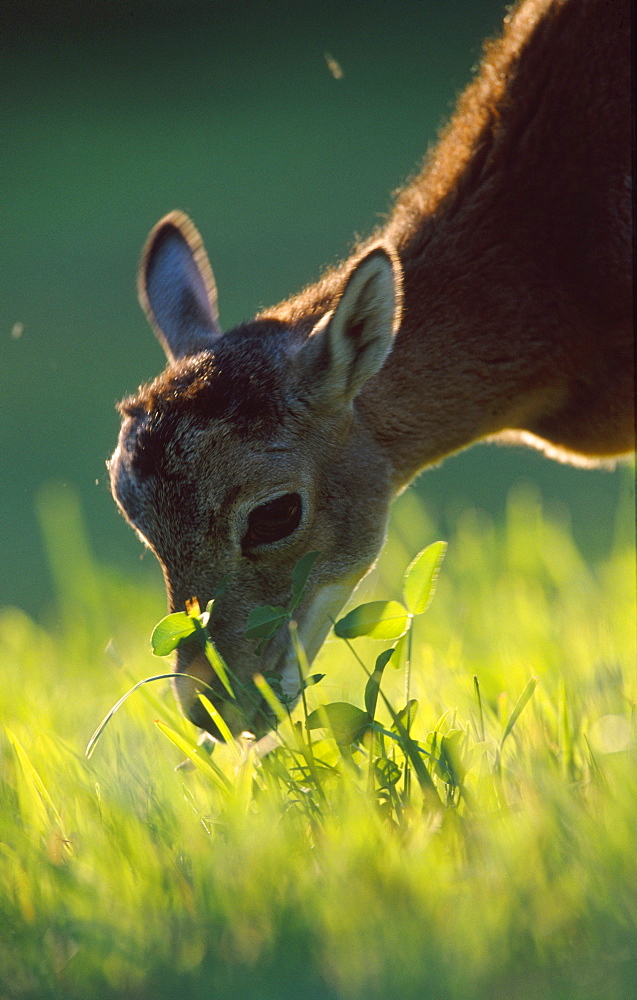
247 453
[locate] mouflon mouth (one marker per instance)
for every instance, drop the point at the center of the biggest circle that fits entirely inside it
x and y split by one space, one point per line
248 712
278 662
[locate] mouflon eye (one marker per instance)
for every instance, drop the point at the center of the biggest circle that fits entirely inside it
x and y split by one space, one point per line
274 520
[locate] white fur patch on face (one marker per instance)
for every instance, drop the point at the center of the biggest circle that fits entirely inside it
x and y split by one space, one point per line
313 628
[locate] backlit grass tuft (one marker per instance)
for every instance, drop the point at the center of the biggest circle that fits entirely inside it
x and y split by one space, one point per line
330 868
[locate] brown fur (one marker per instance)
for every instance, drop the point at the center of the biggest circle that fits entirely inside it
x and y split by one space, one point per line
513 320
516 247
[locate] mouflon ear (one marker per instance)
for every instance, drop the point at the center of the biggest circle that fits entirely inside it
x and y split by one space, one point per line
351 343
177 289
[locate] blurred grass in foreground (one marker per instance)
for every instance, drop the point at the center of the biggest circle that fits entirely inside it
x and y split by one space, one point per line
121 877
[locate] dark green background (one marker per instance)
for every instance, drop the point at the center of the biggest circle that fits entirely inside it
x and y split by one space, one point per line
113 114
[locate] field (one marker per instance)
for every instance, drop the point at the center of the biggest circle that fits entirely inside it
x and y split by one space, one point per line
497 860
487 850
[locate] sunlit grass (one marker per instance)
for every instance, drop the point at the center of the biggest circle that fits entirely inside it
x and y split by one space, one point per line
288 877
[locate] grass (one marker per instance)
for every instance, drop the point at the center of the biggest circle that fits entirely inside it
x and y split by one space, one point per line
319 873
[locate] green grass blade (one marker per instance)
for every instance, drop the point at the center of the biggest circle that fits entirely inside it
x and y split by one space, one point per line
39 794
269 696
217 719
372 687
218 664
476 687
194 754
299 652
90 747
519 706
